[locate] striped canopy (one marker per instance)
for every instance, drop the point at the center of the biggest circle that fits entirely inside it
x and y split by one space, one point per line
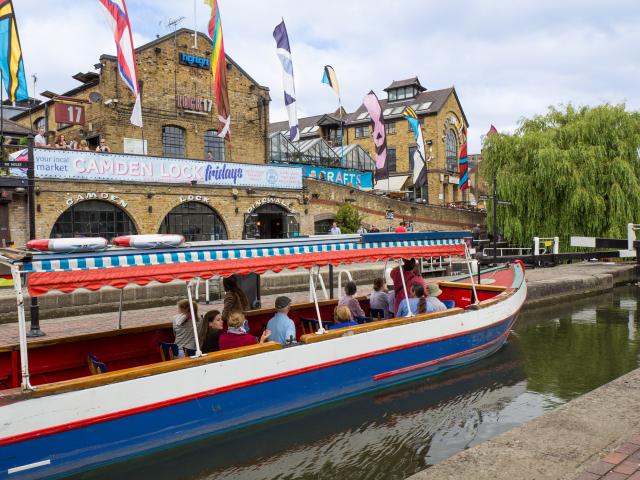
120 267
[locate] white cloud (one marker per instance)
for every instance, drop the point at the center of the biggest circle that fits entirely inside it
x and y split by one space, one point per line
507 60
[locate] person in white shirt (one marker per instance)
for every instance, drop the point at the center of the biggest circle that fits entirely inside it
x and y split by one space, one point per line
40 139
434 304
361 230
335 229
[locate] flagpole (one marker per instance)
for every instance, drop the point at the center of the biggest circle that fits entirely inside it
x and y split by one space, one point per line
195 25
341 133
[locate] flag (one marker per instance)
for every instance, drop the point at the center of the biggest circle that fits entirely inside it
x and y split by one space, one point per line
219 69
284 54
11 62
492 131
125 53
419 156
331 79
463 162
372 104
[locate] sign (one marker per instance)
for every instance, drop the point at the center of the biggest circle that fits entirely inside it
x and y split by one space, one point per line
194 104
267 200
388 215
107 167
194 198
194 61
12 164
136 146
70 114
109 197
341 176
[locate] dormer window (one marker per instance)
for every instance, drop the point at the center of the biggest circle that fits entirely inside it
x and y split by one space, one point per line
402 93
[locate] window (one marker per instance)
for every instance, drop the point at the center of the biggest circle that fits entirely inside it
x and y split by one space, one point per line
392 96
362 131
390 128
412 151
323 227
93 218
196 221
40 123
214 145
391 159
451 149
173 142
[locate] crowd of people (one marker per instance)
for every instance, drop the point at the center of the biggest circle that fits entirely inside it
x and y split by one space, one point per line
229 328
40 141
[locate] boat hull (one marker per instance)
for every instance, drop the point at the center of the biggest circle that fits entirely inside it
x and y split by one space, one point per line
84 431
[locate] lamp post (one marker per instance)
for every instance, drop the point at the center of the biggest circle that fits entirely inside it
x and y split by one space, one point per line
34 331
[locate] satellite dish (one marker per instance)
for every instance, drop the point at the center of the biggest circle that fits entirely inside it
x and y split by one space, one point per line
95 97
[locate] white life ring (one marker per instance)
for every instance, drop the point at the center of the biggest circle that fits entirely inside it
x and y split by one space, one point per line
68 245
149 241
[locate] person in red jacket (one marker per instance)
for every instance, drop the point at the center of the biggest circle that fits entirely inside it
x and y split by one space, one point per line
236 336
410 278
402 228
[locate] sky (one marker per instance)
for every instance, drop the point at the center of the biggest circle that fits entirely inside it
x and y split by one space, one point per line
508 60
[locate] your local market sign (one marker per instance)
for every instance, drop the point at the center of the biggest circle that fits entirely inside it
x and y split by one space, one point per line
93 166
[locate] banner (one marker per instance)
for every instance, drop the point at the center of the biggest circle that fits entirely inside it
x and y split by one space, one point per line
341 176
372 104
288 84
109 167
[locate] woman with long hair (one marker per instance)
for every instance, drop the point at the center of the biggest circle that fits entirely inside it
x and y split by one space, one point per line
417 303
235 299
183 328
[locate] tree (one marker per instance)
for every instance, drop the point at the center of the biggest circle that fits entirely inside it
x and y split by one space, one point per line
348 218
569 172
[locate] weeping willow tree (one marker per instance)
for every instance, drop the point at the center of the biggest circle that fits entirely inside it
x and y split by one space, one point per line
569 172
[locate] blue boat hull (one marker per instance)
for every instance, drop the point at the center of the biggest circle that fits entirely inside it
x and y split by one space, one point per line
141 433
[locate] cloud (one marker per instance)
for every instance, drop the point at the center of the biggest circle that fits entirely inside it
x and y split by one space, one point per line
507 60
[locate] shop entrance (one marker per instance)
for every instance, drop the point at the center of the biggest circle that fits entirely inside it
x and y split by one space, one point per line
271 221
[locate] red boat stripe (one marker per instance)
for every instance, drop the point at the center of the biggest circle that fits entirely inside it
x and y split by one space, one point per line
236 386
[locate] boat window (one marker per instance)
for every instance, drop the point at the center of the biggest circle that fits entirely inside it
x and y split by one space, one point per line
196 222
93 218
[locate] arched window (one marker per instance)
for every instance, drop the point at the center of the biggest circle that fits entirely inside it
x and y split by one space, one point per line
195 221
40 123
93 218
451 149
214 145
173 142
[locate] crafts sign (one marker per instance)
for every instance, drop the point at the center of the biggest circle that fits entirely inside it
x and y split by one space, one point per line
93 166
71 114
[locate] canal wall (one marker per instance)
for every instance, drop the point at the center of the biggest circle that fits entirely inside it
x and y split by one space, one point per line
544 285
559 445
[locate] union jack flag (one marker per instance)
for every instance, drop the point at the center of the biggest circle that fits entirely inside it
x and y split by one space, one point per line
117 9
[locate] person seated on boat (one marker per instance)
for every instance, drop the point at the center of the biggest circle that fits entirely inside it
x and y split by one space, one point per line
379 299
237 336
433 302
235 299
215 326
183 328
417 302
410 278
350 301
282 328
342 318
391 300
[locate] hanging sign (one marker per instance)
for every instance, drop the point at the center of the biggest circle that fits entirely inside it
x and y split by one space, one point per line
70 114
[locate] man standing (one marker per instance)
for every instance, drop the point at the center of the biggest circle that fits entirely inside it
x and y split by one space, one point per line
282 328
476 232
40 139
335 229
402 228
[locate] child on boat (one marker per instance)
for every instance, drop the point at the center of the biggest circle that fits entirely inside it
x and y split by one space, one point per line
342 318
237 336
418 303
183 328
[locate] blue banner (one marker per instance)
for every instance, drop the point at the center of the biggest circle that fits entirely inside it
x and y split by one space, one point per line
352 178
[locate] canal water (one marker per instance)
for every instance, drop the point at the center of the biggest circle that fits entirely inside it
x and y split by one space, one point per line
556 353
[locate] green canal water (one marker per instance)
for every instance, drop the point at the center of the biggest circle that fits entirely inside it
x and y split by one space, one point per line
555 354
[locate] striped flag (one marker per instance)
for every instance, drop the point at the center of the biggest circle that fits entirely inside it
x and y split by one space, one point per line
331 79
11 62
419 156
125 53
372 104
284 54
463 162
219 69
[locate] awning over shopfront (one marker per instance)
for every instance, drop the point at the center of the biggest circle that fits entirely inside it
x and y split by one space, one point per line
392 184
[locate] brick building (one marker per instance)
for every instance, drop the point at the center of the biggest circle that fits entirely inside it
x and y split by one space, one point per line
442 118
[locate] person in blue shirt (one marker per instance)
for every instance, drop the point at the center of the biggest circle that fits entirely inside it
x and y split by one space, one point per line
282 328
342 318
417 302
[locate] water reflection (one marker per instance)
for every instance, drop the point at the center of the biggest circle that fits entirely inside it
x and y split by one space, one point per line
556 353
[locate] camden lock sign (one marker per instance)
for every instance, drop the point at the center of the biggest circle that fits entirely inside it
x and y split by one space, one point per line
108 197
194 104
266 200
194 198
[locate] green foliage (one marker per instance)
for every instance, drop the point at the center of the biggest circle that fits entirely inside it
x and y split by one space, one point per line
348 218
569 172
23 141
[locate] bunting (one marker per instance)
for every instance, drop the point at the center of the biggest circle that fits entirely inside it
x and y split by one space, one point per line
372 104
419 156
284 54
219 69
126 55
463 162
11 62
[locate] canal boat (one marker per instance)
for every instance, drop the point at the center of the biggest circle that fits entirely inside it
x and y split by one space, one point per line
74 403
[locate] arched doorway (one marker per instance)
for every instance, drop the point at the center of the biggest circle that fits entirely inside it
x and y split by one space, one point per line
271 221
196 221
93 218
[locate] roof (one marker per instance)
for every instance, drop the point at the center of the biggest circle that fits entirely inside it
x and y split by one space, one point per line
407 82
90 84
12 128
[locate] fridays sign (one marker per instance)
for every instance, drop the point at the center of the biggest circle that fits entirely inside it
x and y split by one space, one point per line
93 166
